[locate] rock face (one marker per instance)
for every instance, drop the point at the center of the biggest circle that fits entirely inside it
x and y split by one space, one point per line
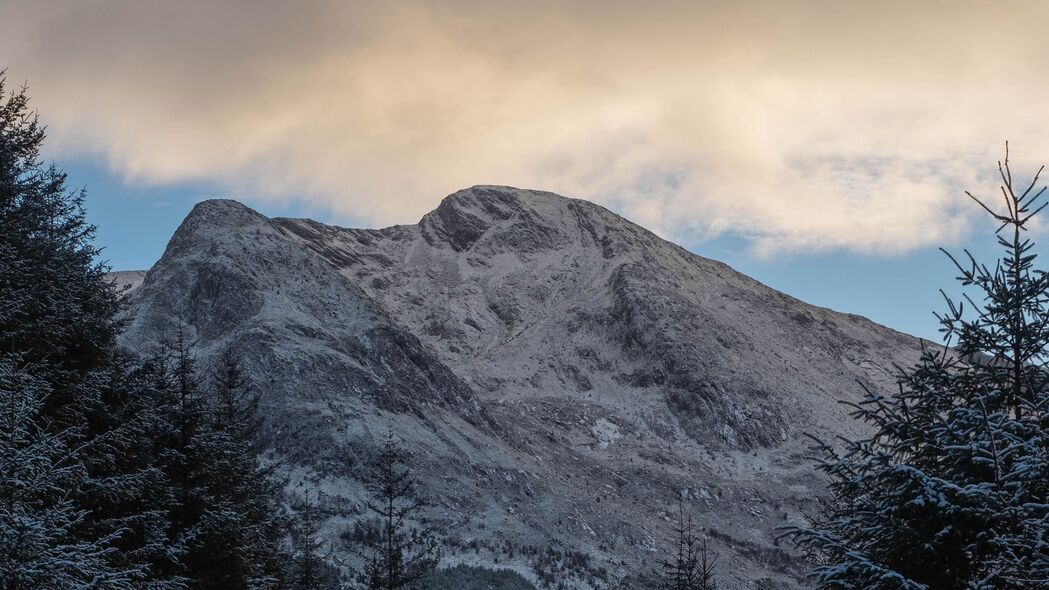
562 375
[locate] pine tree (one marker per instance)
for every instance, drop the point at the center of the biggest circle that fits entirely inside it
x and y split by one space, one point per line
399 556
56 304
39 547
952 489
307 569
126 456
227 525
133 488
182 454
691 564
58 324
235 402
247 525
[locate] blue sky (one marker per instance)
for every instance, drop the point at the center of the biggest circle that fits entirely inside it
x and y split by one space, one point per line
901 291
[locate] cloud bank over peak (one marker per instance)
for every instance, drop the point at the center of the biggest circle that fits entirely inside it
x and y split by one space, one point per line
803 126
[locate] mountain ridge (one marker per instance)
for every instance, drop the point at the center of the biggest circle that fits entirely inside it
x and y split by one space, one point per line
561 373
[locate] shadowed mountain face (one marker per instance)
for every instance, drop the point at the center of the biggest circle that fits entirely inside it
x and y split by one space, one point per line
562 375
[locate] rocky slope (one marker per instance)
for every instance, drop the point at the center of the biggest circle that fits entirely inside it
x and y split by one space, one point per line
562 375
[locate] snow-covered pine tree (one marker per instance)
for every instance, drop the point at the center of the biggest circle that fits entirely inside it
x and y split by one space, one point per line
399 556
39 544
952 488
56 303
133 490
125 450
178 417
58 322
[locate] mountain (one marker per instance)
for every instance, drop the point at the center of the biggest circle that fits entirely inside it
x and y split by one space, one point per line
561 375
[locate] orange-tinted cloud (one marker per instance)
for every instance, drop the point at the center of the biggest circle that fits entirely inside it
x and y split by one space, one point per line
801 125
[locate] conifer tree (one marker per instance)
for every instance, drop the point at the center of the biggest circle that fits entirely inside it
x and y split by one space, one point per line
307 569
707 562
952 489
226 522
113 471
39 544
690 565
247 524
58 325
181 453
135 489
399 556
235 402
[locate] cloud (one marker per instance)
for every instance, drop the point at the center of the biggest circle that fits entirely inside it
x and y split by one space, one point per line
800 126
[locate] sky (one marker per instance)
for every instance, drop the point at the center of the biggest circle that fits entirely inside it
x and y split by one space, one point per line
820 147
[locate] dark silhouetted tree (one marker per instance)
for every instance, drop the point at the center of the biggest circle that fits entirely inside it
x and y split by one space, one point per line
690 565
226 521
58 327
113 473
308 569
398 555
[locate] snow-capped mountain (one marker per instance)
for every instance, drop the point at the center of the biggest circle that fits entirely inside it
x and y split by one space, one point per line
561 375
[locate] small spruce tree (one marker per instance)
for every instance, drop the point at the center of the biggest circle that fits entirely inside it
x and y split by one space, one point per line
307 568
399 556
690 565
244 521
227 523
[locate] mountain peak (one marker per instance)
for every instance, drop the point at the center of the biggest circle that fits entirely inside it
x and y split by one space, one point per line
499 203
214 217
525 218
223 211
219 214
